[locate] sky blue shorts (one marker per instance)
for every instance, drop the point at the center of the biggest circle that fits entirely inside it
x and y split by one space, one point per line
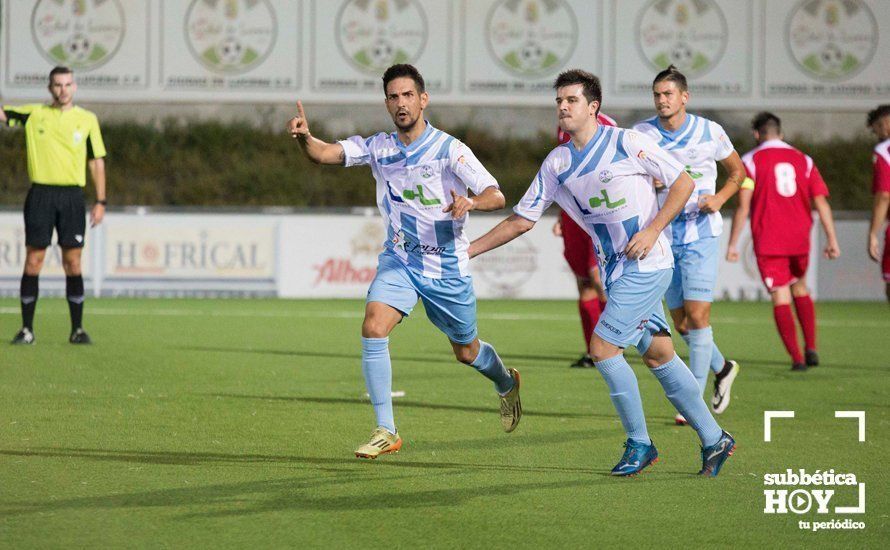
695 272
634 306
450 303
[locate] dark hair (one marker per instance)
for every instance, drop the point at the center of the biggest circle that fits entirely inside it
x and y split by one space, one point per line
404 70
766 122
59 70
672 74
592 89
878 113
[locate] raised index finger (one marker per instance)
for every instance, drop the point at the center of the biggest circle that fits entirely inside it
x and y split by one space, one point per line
300 109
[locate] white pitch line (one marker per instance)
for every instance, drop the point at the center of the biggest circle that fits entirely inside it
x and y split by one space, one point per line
358 314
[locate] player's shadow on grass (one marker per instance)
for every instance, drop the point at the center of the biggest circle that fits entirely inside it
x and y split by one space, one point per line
300 493
408 404
441 358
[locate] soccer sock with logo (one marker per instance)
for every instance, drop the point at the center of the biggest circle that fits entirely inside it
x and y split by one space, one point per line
717 359
701 343
787 331
590 315
625 395
377 369
28 291
490 366
684 393
806 316
74 293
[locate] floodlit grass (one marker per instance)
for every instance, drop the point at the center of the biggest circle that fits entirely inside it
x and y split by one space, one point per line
232 423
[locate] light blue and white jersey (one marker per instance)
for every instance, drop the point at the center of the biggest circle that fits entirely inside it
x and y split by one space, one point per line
414 184
698 144
607 189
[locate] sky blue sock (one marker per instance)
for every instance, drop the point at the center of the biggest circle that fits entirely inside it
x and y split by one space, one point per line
625 395
378 378
490 365
683 392
701 343
717 359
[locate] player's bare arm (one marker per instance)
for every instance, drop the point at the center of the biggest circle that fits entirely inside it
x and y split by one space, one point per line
832 248
738 223
641 243
316 150
97 173
501 234
736 175
489 199
2 116
878 215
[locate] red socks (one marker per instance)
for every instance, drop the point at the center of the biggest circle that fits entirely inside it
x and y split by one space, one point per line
806 316
787 331
590 314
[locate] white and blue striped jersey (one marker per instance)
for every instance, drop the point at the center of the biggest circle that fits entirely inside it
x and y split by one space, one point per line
414 184
607 189
698 144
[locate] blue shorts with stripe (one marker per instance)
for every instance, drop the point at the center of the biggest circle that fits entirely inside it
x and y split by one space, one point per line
695 272
449 303
634 306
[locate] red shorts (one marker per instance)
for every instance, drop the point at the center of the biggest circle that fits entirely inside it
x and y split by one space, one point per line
578 250
779 271
885 262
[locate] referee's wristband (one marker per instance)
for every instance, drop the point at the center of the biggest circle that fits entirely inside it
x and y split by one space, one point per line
102 202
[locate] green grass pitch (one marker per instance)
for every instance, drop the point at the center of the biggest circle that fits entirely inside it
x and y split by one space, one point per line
232 423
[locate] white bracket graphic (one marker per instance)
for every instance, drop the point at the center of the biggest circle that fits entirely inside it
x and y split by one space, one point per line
767 421
854 414
854 509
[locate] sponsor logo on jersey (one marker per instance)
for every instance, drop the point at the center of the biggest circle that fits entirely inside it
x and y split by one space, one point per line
531 38
690 35
596 202
78 33
230 36
831 40
372 36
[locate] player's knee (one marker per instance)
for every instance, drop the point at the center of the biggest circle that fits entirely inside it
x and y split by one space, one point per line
33 264
465 354
373 327
600 350
71 266
697 320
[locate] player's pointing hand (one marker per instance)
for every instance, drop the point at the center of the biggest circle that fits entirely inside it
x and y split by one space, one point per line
298 127
459 206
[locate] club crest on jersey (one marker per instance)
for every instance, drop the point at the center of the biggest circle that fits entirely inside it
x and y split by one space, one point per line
78 137
596 202
426 172
606 176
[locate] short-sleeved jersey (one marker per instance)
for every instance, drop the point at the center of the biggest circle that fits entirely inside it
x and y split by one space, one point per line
58 142
414 184
785 181
881 164
698 144
607 189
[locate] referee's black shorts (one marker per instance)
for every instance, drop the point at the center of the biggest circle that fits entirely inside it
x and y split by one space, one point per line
59 207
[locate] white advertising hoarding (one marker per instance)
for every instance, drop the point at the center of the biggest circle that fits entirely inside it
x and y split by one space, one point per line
520 46
12 255
354 41
229 47
708 40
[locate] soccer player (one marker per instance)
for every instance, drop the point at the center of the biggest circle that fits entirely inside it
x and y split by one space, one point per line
697 143
781 186
879 122
603 178
423 176
579 254
62 141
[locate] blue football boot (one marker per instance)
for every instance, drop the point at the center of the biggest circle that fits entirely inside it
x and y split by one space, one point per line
713 457
636 457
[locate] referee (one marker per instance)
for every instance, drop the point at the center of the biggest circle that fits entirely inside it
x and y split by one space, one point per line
62 140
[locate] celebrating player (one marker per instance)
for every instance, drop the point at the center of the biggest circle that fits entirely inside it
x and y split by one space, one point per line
579 254
879 122
603 178
697 143
63 140
781 186
422 176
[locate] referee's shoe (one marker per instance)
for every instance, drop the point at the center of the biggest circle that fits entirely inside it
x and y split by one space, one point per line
79 336
24 337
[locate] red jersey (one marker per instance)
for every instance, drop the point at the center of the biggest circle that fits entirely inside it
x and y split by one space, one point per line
785 182
881 180
605 120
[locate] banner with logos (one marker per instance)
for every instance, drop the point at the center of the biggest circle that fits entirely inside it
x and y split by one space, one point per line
805 54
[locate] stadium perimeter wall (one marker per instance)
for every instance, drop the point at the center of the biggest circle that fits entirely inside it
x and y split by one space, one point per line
311 255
